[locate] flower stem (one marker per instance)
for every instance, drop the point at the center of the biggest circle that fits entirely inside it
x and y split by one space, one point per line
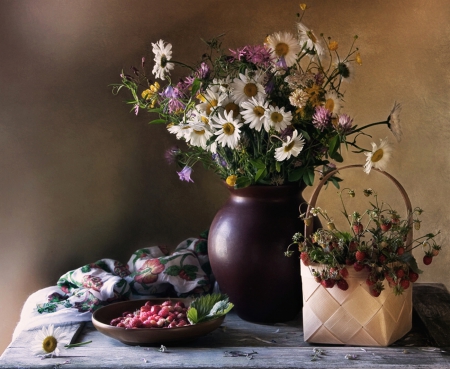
77 344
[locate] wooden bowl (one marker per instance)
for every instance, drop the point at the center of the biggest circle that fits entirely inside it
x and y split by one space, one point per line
148 336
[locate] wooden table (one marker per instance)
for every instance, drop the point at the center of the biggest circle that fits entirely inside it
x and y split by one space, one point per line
240 344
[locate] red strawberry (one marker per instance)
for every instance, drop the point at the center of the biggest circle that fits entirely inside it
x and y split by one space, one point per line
400 273
360 255
382 259
374 292
343 272
404 283
353 245
413 276
358 266
328 283
400 250
305 258
357 228
342 284
427 259
385 226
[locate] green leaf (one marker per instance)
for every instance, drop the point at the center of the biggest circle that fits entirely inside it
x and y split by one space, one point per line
208 307
158 121
334 145
258 164
278 166
196 86
305 134
242 182
296 175
338 157
260 173
308 177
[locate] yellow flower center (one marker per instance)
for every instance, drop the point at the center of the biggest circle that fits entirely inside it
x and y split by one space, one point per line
228 129
232 107
276 117
204 120
250 89
329 105
259 111
281 49
211 105
49 344
288 148
201 132
201 97
377 155
231 180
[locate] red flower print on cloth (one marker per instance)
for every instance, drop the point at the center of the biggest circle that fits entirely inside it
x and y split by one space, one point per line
148 272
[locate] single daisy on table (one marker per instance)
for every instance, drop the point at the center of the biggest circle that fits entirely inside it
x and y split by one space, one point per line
254 111
246 87
48 341
291 147
163 53
284 46
379 156
278 117
228 130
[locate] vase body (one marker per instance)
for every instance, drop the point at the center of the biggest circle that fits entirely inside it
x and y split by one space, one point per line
246 245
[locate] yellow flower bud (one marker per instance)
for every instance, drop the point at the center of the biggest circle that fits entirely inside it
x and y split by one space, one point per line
358 59
303 6
333 45
231 180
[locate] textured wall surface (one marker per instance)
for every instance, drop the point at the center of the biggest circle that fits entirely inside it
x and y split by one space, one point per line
81 178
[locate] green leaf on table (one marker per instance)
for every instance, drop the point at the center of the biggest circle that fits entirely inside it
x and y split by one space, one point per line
242 182
208 307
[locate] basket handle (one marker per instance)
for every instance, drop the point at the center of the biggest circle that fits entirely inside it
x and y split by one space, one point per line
315 195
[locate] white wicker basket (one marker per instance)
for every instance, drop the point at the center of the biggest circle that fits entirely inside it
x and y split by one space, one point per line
354 317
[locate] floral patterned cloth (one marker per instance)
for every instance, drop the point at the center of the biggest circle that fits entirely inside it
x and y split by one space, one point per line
150 272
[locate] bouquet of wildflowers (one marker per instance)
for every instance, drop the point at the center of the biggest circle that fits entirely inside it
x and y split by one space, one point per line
266 114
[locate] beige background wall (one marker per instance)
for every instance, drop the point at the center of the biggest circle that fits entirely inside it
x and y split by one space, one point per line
81 178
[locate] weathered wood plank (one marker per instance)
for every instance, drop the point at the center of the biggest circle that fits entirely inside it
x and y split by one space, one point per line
431 301
273 346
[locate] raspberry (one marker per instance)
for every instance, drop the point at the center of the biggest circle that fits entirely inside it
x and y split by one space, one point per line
164 312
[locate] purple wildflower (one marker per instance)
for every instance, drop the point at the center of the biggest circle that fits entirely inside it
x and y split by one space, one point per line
185 174
321 118
173 94
171 154
136 109
281 63
219 160
256 54
203 71
319 78
345 123
143 61
270 85
287 132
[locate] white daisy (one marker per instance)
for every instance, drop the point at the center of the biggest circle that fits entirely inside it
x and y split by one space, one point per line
199 135
163 53
278 117
245 87
228 130
211 100
394 121
228 104
254 113
48 341
306 36
332 102
181 130
285 46
292 147
378 157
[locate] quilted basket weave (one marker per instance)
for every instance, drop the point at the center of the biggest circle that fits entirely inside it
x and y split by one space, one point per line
353 317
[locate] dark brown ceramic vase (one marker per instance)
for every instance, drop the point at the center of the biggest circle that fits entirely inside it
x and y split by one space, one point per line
246 245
